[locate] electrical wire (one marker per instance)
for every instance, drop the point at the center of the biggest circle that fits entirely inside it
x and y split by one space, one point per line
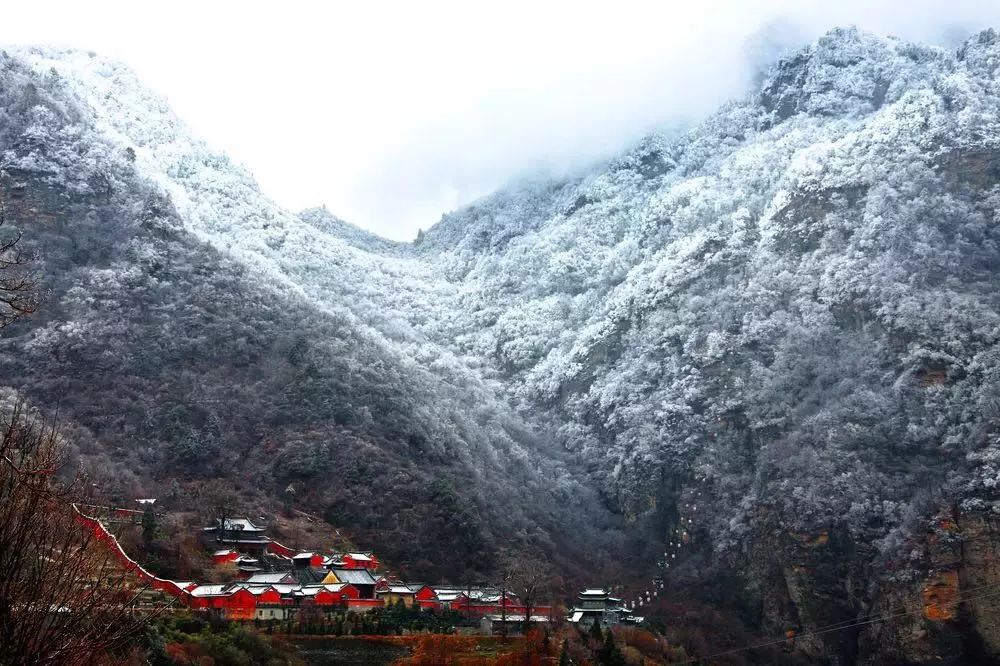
840 627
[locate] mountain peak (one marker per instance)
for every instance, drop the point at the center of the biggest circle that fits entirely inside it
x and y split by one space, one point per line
325 221
846 72
981 53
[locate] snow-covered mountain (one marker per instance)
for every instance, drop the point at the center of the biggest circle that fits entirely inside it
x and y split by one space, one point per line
776 332
194 330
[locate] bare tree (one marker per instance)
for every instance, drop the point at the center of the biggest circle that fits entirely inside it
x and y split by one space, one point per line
17 288
65 595
220 501
529 579
505 575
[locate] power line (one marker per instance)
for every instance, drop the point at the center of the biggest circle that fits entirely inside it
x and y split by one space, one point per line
840 627
900 608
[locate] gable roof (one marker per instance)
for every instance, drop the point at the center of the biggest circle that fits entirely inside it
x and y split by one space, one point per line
271 578
354 576
235 525
336 587
209 590
312 590
277 587
311 576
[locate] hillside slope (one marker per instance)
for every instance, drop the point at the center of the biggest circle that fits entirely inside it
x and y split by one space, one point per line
186 344
786 318
777 332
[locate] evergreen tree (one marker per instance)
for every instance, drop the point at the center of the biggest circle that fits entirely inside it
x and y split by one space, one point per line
564 659
595 631
610 655
148 527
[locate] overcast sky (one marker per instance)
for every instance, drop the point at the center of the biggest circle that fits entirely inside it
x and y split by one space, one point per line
393 113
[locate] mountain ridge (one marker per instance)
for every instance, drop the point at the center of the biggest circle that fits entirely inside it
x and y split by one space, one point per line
785 317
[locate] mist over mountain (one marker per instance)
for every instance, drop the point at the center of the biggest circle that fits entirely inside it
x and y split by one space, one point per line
193 330
777 331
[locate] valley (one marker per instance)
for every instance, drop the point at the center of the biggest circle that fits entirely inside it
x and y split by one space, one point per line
771 338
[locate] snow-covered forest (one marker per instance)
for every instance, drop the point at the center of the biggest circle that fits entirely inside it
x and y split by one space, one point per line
791 309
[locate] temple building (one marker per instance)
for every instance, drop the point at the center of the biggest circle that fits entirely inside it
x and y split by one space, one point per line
597 604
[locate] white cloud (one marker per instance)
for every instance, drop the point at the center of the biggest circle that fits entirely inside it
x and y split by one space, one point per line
392 113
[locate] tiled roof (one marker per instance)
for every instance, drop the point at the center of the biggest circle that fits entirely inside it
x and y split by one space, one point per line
269 578
310 576
252 541
361 557
236 524
209 590
354 576
519 618
313 590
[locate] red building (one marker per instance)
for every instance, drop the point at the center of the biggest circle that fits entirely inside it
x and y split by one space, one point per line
360 561
232 603
308 560
280 549
426 597
333 595
224 556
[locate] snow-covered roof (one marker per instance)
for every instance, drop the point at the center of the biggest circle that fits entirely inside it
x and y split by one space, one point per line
517 618
209 590
236 525
269 578
489 596
312 590
360 557
594 592
302 555
150 500
354 576
220 553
